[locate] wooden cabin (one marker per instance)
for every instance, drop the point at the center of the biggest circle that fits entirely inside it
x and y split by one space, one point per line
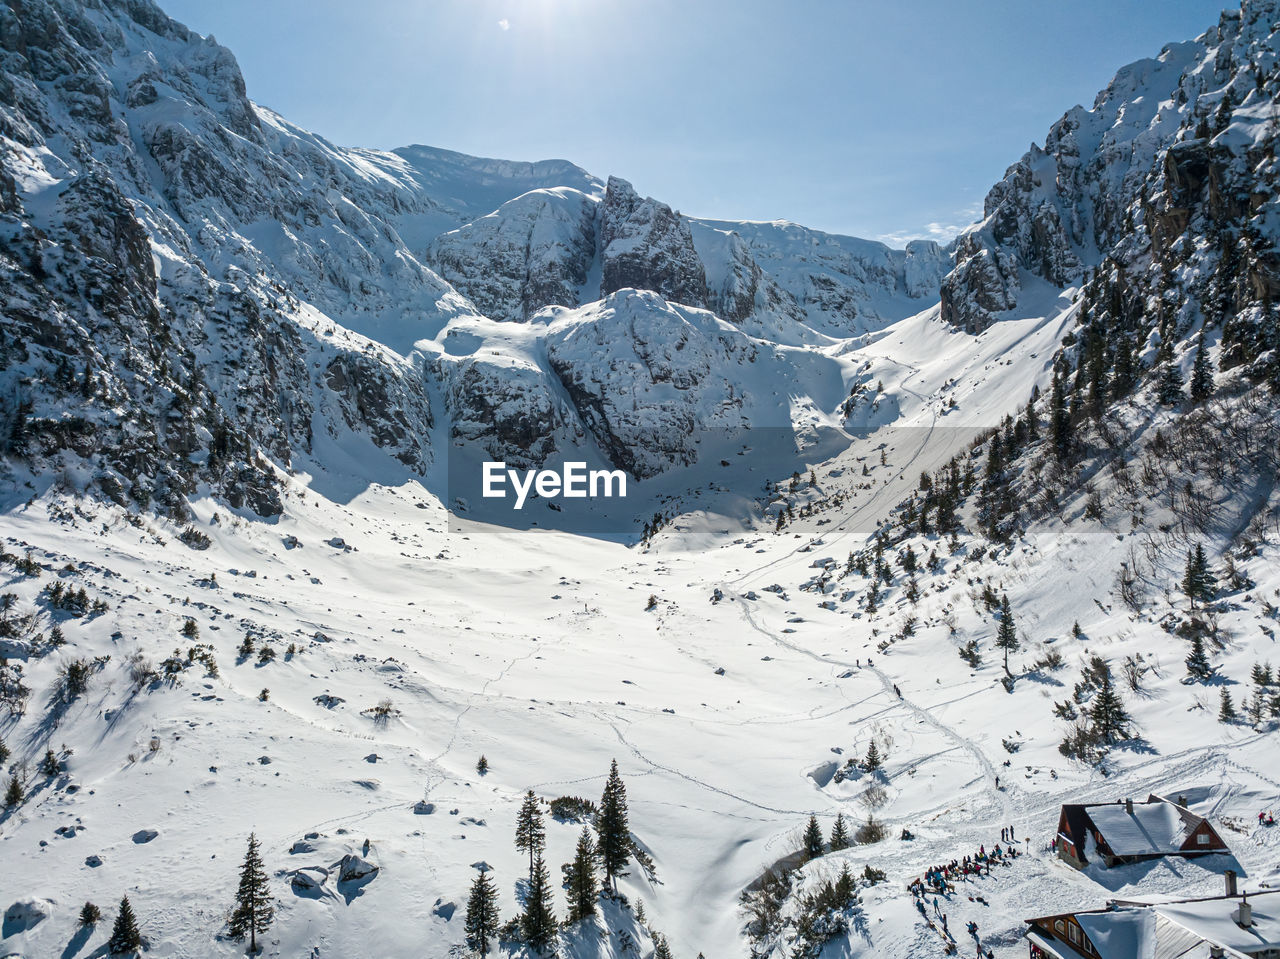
1126 831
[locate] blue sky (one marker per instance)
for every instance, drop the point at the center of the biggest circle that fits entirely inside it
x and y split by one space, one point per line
880 119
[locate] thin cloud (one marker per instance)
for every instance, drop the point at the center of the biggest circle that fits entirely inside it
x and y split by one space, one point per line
504 24
936 230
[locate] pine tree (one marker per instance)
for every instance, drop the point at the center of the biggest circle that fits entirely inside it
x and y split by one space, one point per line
4 753
482 921
50 765
1202 385
1007 635
1198 665
873 761
124 934
482 765
255 907
90 914
846 890
1059 417
531 834
813 845
14 794
1107 714
660 948
1227 709
538 923
614 828
839 834
580 878
1197 580
1169 390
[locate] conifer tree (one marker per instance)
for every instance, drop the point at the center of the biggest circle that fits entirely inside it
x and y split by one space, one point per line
1059 417
846 889
873 761
1007 635
1198 665
1202 385
614 828
1107 714
14 794
660 948
255 907
124 933
538 923
839 834
1227 709
482 921
1169 389
1197 581
90 914
531 834
580 878
4 752
813 845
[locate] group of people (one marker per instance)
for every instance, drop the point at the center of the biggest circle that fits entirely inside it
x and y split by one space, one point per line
1266 819
940 880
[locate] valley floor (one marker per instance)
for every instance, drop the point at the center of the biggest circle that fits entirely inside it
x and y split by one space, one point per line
538 651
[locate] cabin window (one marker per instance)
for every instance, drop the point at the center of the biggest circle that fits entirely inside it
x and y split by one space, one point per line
1202 839
1074 934
1059 926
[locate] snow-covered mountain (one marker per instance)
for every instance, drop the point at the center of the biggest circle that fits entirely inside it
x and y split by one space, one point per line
246 380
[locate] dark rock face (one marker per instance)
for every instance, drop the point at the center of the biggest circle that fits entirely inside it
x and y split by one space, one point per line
1170 156
122 343
645 245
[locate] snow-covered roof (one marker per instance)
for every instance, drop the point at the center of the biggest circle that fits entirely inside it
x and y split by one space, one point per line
1125 934
1152 827
1214 921
1174 930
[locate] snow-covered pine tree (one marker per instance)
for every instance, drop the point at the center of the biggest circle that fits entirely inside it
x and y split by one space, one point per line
1169 389
580 878
614 828
1007 635
839 834
1107 715
124 933
255 906
531 834
1226 708
1198 665
813 844
90 914
1202 385
482 921
873 760
660 948
538 923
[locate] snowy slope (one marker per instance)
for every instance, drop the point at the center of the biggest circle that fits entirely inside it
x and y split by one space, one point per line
248 377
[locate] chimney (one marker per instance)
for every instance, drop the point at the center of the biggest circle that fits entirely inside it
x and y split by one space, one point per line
1128 806
1216 952
1244 914
1182 801
1230 877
